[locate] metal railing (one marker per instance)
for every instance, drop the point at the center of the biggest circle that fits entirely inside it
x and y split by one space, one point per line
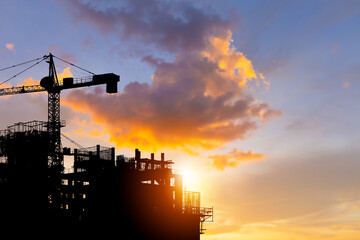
205 214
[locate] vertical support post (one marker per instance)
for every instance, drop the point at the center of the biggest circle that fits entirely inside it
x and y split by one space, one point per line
113 155
75 160
152 168
163 168
98 152
162 160
152 161
137 158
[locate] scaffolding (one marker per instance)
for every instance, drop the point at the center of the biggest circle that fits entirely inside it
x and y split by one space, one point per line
158 189
192 206
24 142
21 133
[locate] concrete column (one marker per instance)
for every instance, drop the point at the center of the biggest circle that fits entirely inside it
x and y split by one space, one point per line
162 160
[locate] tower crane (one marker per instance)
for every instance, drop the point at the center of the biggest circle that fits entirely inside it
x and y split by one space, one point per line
52 85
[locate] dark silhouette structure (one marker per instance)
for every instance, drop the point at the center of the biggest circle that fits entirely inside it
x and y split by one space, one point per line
130 198
102 195
53 87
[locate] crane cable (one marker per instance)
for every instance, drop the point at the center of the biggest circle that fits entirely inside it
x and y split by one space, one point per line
74 65
16 65
42 59
72 141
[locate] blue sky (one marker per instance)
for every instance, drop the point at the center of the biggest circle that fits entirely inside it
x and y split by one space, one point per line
307 51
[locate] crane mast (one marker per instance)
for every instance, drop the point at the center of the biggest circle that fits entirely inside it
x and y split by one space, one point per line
55 160
52 85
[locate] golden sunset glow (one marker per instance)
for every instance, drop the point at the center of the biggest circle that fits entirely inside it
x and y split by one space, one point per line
255 102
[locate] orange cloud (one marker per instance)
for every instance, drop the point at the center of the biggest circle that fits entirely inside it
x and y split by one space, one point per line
232 159
86 128
65 74
79 131
28 82
232 65
196 102
10 46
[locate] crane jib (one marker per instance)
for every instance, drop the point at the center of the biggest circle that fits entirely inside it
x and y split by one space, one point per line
110 79
53 87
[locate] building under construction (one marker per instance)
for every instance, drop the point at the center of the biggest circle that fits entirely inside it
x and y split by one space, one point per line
102 194
129 198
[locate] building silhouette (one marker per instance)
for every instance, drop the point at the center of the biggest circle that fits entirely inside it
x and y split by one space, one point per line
101 195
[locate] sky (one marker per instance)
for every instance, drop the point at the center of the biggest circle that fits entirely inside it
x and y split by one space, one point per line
256 102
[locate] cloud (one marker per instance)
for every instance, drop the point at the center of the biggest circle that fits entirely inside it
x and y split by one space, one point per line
65 74
170 25
233 158
194 102
28 82
10 46
200 100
